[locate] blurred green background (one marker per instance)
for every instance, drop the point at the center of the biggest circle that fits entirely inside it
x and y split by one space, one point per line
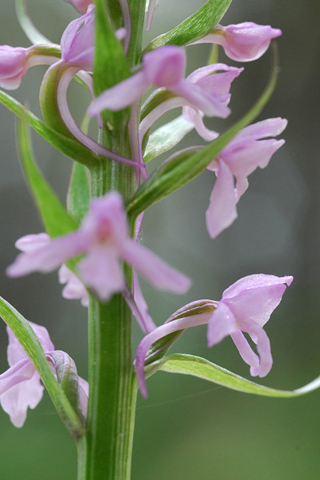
188 429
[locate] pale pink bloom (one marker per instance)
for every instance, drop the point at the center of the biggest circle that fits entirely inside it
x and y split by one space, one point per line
104 237
163 67
249 149
16 61
20 385
213 79
243 42
245 306
74 288
80 5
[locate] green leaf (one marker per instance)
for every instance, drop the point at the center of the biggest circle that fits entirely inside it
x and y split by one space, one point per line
184 167
167 137
29 341
26 24
79 193
196 26
53 214
110 66
202 368
68 146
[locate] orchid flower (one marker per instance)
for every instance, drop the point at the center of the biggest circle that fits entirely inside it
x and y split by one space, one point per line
213 79
243 42
74 288
20 385
163 67
249 149
16 61
245 306
103 236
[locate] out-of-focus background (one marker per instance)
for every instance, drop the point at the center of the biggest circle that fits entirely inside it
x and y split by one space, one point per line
189 429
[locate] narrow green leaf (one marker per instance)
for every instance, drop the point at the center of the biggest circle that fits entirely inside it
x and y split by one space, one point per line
179 170
68 146
29 341
167 137
202 368
79 193
26 24
110 66
194 27
53 214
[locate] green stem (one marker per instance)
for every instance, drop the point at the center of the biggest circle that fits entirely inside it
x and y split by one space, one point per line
112 391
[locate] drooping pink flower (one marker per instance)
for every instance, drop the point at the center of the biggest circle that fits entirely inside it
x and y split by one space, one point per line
163 67
249 149
16 61
20 385
80 5
245 307
104 238
243 42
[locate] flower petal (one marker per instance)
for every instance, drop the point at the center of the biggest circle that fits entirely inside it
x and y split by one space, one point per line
221 324
222 210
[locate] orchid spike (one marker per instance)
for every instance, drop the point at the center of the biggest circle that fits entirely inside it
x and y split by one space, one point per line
80 5
249 149
104 237
245 306
243 42
163 67
74 288
20 385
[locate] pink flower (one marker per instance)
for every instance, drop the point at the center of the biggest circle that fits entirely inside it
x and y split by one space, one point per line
20 385
247 150
13 66
245 306
243 42
80 5
163 67
104 238
77 41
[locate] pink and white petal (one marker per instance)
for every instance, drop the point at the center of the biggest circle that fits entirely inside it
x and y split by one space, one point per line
209 103
17 399
15 351
121 95
32 242
153 268
151 7
145 321
100 271
222 210
83 395
255 281
193 116
48 257
246 352
74 288
256 304
221 324
22 371
271 127
263 346
160 332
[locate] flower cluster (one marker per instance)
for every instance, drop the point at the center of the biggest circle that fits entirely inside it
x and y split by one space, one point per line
103 255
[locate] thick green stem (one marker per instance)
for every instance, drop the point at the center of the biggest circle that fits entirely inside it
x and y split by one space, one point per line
112 391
